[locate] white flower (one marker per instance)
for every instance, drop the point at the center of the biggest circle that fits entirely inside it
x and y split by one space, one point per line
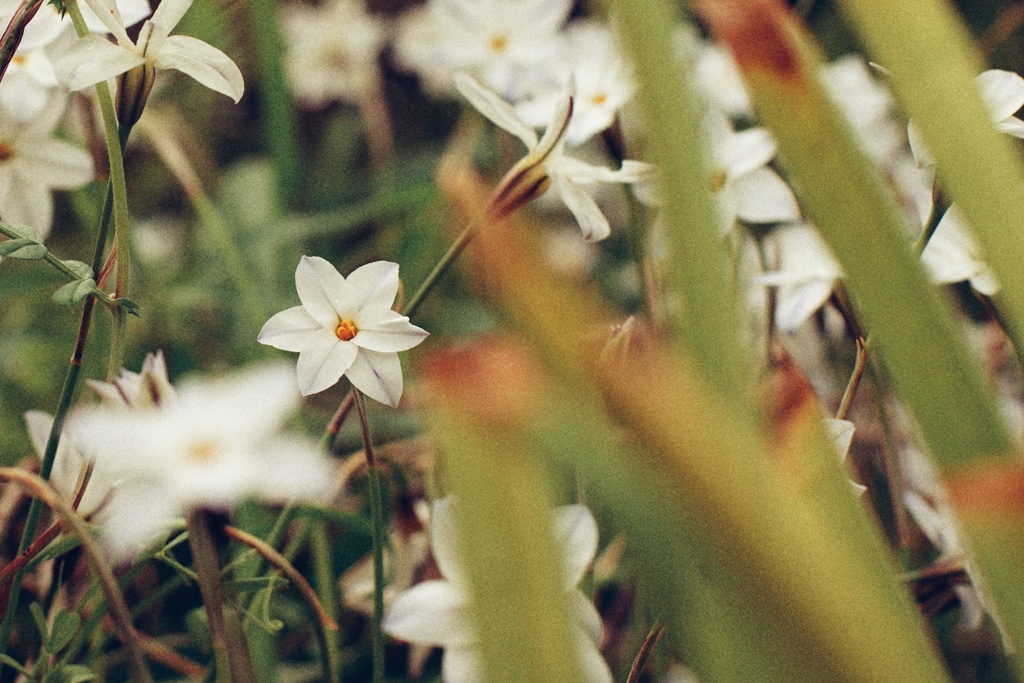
499 41
841 433
331 50
603 80
567 176
144 389
952 255
216 443
806 275
867 105
33 163
345 326
93 59
744 184
439 612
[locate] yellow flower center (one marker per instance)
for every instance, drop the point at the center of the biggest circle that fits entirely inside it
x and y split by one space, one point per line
346 330
498 42
204 451
718 179
599 99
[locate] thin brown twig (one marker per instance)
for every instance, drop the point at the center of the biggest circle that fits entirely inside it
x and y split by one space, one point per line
281 563
645 652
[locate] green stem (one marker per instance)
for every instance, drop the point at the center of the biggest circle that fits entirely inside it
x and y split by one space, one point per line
442 266
322 570
377 516
116 138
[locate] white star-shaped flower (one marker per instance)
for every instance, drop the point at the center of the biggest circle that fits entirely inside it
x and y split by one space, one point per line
93 59
345 326
567 176
331 50
500 41
439 612
603 79
216 443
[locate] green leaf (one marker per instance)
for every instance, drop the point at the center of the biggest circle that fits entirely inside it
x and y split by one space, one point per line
73 292
73 673
14 664
65 626
27 249
40 618
82 270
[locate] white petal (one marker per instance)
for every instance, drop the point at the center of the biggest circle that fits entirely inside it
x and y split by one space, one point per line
586 616
500 112
764 197
203 62
108 13
169 13
378 375
58 165
319 284
461 665
91 60
288 330
593 667
951 253
746 150
393 333
560 119
841 433
1002 91
431 613
797 303
592 222
375 285
1011 126
444 541
323 361
39 425
575 531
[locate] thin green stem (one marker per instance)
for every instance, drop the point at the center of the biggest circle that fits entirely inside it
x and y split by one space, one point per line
442 266
325 581
377 517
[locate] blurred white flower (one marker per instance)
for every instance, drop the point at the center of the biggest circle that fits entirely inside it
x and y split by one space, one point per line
345 327
331 50
499 41
952 255
439 612
148 388
805 277
93 59
603 80
746 187
217 442
718 78
867 105
33 163
567 176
